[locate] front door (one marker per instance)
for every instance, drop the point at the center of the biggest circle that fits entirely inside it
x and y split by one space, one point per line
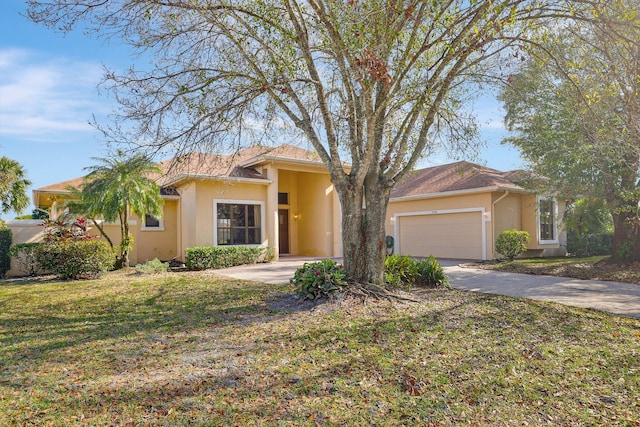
283 230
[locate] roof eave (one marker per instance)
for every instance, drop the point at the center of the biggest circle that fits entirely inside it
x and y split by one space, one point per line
186 177
459 193
254 161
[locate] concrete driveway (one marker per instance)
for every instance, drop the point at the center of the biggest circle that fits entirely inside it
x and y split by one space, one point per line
618 298
613 297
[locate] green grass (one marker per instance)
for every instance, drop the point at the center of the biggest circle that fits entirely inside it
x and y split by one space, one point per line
192 349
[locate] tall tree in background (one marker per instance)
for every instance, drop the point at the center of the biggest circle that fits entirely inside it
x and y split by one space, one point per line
118 187
377 84
13 186
575 112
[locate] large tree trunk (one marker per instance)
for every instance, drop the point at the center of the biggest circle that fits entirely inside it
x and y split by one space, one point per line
363 231
626 235
623 203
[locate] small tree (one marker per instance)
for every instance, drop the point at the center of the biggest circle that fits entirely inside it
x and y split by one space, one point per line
118 187
512 243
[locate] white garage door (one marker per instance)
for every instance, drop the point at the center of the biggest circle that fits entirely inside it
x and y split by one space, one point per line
448 235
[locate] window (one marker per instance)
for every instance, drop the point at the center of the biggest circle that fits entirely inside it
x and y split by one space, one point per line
547 219
238 224
283 198
152 223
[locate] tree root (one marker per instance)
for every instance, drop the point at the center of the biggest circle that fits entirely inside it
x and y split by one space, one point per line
364 291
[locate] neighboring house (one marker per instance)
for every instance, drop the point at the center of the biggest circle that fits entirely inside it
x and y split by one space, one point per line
458 210
283 198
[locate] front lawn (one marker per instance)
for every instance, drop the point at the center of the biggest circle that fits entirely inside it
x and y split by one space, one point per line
592 268
193 349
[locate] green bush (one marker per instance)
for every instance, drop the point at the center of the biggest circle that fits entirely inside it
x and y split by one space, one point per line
512 243
429 272
205 257
319 279
6 236
76 259
589 244
25 255
404 271
400 271
154 266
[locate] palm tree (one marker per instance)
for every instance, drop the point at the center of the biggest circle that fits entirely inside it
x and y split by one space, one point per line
118 187
13 186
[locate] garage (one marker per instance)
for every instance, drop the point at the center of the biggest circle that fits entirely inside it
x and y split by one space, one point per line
442 234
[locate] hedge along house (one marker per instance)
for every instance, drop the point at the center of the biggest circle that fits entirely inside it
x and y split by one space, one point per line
458 210
277 197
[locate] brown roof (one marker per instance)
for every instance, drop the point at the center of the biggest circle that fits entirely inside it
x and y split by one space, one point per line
62 186
454 177
238 165
283 152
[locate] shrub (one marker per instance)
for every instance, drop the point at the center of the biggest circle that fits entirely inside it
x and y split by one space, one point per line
25 255
429 272
6 236
205 257
589 244
154 266
404 271
65 228
319 279
400 271
76 259
512 243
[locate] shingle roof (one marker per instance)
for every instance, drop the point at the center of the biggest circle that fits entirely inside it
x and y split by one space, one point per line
212 165
454 177
62 186
238 165
438 179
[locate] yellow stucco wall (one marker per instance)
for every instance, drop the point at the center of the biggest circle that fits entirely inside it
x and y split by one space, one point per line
196 206
507 215
315 219
207 192
530 218
515 210
161 243
507 212
189 219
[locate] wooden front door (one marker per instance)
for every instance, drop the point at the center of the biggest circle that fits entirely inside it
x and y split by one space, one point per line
283 230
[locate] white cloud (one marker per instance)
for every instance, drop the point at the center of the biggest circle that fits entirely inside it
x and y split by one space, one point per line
43 98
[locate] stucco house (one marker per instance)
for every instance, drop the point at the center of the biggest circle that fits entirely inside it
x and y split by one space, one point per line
283 198
278 197
458 210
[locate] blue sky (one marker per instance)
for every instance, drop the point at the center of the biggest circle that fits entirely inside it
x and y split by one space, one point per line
48 95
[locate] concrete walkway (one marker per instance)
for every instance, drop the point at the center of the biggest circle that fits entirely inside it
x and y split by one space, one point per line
618 298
